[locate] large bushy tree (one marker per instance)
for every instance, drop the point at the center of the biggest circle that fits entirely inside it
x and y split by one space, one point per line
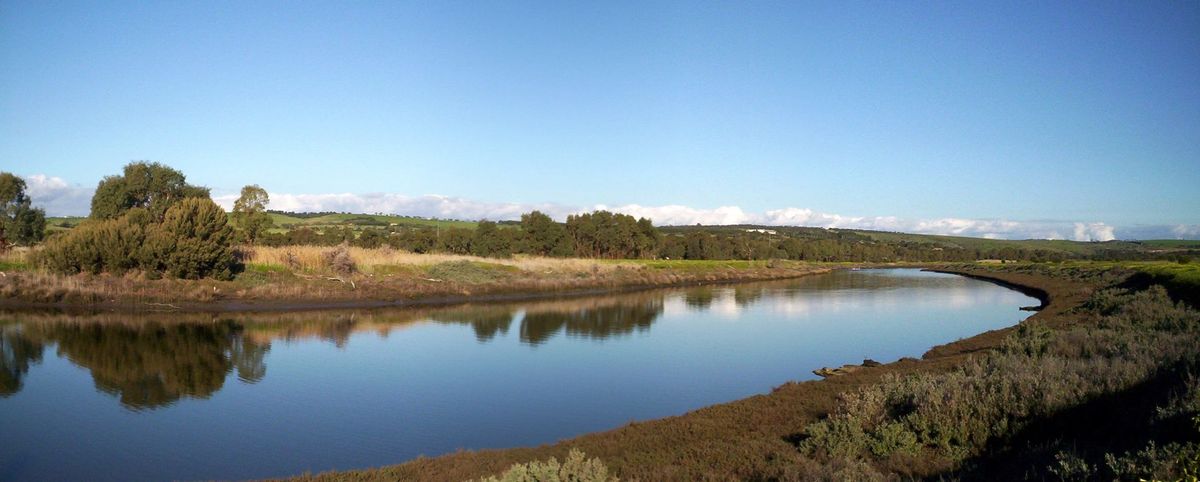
142 184
488 240
20 222
190 238
603 234
543 236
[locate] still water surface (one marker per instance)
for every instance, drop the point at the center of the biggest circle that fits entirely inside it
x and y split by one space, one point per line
169 396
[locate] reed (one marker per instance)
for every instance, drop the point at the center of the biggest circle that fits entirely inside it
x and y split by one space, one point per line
311 259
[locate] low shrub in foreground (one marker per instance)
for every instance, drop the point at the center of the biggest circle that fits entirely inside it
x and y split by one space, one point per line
576 468
1036 375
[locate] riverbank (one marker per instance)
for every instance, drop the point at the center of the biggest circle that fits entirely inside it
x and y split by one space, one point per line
764 436
406 280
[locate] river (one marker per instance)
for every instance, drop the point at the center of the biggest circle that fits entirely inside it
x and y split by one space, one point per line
168 396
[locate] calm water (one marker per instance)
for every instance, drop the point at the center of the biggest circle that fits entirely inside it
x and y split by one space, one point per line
166 397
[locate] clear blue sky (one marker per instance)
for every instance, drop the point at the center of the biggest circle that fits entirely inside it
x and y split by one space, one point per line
1083 111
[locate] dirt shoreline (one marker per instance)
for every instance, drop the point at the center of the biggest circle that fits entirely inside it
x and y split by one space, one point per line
732 440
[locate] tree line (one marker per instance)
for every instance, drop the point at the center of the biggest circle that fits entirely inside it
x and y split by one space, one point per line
148 218
603 234
599 234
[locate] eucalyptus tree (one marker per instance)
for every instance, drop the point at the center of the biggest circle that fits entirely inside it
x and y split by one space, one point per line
142 184
250 213
20 222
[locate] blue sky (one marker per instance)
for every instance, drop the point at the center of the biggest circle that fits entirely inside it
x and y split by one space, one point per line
1044 114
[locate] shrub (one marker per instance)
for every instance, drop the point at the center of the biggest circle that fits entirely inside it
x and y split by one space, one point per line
291 260
1035 373
113 245
339 261
576 468
193 241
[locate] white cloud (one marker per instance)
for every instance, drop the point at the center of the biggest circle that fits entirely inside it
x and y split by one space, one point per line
57 196
1186 231
1093 232
433 206
682 215
61 198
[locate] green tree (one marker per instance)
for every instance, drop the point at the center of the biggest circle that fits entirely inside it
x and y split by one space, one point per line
488 240
20 222
543 236
456 241
370 238
250 213
149 185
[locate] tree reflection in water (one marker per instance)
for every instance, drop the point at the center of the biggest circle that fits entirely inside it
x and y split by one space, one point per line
16 354
486 321
149 361
700 298
146 365
597 323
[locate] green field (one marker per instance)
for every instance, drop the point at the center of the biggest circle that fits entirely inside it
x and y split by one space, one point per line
62 223
1061 245
284 221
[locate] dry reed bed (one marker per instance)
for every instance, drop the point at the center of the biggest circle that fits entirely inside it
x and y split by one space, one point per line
313 259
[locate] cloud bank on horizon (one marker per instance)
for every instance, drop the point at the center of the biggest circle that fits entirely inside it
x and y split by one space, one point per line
61 198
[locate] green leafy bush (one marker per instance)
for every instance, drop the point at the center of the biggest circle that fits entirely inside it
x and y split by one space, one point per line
192 241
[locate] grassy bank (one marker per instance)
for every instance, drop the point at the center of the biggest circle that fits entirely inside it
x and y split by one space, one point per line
1100 384
313 277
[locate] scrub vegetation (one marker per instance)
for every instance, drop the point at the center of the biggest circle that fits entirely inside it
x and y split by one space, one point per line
576 468
1034 401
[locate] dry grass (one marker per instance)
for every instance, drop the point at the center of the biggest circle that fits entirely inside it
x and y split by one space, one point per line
311 259
15 258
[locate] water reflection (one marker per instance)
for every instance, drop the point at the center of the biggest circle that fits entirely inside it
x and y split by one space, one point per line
16 354
699 298
598 322
486 321
146 365
150 361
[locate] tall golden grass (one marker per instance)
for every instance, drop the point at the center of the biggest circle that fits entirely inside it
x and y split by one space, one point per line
370 260
15 256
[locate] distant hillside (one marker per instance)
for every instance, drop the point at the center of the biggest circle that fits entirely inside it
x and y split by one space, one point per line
285 221
854 243
1072 248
